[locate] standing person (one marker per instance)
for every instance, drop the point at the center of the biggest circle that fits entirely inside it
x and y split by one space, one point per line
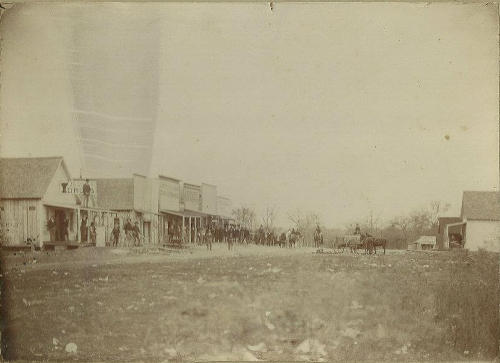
208 238
51 226
66 228
136 234
116 234
93 233
83 229
128 228
357 230
228 238
86 193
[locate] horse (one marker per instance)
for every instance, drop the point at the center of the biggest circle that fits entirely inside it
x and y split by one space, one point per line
318 239
378 242
281 241
292 240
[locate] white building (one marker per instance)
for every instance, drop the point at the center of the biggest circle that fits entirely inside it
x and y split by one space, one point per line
481 215
480 221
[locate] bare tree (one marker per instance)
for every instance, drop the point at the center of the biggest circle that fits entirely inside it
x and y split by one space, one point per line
437 207
403 223
245 216
269 218
305 223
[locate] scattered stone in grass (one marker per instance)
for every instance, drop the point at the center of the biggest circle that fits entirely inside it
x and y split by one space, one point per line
171 352
261 347
25 302
268 313
350 332
381 331
55 341
200 280
269 325
71 348
312 347
123 348
66 274
71 309
105 279
356 305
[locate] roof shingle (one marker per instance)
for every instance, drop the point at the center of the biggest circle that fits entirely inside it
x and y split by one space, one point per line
481 206
26 178
115 194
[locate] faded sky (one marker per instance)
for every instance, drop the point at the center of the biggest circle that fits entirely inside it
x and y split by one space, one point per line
332 108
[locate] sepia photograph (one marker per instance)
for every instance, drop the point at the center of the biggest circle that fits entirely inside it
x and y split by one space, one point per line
249 181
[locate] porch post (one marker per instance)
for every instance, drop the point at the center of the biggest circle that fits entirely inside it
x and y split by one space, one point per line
195 229
189 229
446 242
183 229
77 224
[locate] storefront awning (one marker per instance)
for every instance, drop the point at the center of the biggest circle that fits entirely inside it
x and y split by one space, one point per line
185 213
57 205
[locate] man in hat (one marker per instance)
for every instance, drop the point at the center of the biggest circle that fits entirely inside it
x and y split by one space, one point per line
86 193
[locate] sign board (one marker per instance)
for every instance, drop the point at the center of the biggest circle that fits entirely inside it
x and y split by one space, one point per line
169 191
75 186
192 197
224 207
209 199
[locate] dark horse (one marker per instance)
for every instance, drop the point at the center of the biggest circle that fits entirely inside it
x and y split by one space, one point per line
371 243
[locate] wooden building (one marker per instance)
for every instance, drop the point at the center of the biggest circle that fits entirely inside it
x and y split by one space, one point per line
32 192
133 198
481 217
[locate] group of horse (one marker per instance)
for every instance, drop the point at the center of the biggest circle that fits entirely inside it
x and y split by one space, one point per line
364 241
269 238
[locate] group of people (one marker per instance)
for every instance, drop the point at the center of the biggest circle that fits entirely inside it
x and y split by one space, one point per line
61 233
132 232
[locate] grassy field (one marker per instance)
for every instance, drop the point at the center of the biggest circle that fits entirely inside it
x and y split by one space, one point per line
248 304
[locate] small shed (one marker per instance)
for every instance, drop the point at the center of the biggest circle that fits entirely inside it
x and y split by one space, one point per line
423 243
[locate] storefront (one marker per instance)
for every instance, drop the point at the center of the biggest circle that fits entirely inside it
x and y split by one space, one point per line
34 207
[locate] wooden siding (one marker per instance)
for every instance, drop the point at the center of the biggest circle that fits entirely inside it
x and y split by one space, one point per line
19 220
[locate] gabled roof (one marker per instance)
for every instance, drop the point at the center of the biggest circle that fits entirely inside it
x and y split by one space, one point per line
481 206
27 178
115 194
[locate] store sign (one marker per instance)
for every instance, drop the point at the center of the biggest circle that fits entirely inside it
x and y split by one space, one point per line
169 194
76 187
192 197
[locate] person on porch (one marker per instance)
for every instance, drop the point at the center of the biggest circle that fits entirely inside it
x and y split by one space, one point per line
51 226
